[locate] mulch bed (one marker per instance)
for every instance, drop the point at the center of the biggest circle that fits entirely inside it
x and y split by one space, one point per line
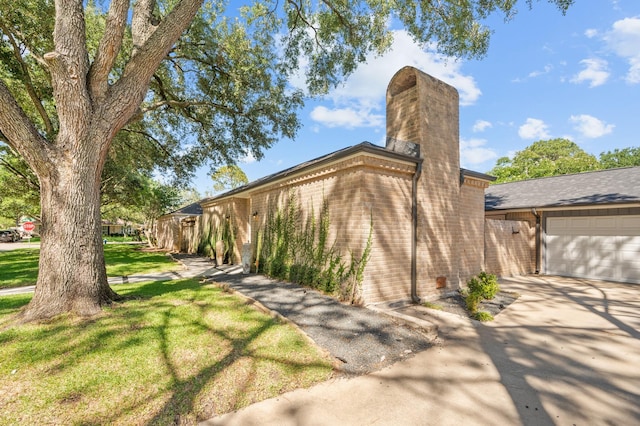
455 303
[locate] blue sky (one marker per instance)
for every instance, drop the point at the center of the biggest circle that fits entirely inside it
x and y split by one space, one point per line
545 76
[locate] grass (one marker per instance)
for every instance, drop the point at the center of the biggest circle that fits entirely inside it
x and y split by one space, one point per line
432 305
27 241
483 316
176 352
20 267
127 259
120 238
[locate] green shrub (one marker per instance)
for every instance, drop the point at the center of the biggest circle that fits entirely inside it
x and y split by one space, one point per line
484 286
483 316
472 301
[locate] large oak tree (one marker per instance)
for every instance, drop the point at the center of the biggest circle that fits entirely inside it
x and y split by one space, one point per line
542 158
197 79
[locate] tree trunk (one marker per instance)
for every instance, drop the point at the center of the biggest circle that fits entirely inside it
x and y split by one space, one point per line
90 111
72 275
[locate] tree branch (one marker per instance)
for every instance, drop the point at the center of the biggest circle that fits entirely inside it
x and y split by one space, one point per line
300 15
143 23
28 83
127 93
108 49
26 42
69 65
20 133
15 171
156 141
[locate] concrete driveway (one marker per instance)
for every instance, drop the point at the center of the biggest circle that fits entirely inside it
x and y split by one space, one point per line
567 352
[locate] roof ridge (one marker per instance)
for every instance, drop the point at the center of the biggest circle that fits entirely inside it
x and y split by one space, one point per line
568 175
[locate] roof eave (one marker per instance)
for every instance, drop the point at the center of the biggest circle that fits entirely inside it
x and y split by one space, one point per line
364 147
556 207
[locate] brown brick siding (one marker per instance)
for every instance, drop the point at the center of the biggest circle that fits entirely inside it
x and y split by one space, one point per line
359 189
236 211
509 247
168 232
424 110
472 220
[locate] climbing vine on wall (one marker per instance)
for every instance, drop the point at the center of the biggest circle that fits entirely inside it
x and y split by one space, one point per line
225 232
207 244
288 249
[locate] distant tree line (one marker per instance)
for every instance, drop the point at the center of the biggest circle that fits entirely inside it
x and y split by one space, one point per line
559 157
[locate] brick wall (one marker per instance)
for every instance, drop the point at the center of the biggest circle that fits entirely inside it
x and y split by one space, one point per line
233 210
472 222
424 110
190 234
387 195
509 247
168 232
361 189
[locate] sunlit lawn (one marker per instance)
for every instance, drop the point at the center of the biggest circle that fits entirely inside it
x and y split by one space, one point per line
175 352
20 267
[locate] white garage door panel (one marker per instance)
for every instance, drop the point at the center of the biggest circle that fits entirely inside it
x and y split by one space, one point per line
629 249
578 247
556 250
631 224
598 247
555 225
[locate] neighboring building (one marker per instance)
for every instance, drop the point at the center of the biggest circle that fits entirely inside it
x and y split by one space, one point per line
118 227
584 225
176 231
425 213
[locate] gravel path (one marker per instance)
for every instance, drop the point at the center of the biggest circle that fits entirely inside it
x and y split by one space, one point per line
361 339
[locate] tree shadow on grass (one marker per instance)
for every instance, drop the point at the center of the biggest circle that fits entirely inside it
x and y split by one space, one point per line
205 374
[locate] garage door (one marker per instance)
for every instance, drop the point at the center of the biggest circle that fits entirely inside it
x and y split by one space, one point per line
598 247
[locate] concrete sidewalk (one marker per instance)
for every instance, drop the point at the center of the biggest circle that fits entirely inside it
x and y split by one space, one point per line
566 353
193 266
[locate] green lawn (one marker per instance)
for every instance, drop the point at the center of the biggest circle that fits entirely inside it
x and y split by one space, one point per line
174 352
20 267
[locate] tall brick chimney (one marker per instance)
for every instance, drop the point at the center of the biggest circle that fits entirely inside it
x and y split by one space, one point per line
423 110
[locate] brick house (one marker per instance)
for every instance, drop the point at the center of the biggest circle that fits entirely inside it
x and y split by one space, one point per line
425 214
584 225
176 231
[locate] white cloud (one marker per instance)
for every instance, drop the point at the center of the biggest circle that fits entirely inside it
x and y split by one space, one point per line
590 127
370 80
346 117
248 158
474 151
533 129
596 72
481 126
591 33
624 39
363 93
546 70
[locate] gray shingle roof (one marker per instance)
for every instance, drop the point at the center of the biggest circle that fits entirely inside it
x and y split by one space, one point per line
191 209
363 146
613 186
